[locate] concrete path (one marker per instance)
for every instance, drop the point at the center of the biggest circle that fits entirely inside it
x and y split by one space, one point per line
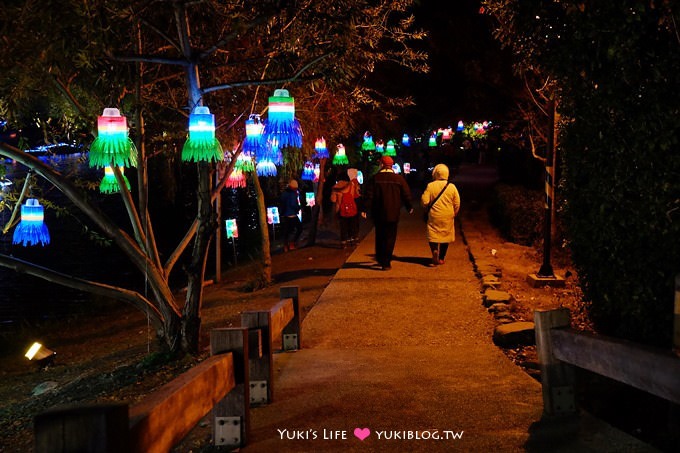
402 361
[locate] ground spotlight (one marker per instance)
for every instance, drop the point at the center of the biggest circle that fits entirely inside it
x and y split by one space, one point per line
41 355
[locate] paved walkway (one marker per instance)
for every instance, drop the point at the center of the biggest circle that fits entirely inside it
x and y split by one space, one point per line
404 360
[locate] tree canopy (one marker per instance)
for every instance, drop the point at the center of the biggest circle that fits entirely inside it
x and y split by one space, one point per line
63 62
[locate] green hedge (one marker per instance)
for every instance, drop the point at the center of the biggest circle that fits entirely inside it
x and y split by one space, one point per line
518 213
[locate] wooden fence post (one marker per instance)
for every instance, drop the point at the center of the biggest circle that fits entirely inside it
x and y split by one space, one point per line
231 415
557 378
94 429
291 333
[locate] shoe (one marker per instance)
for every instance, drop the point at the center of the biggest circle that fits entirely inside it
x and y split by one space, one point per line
441 261
435 257
386 268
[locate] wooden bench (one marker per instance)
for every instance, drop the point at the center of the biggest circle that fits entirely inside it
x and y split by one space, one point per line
282 320
163 418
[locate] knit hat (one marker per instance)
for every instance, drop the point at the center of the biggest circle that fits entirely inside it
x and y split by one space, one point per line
352 173
293 184
386 161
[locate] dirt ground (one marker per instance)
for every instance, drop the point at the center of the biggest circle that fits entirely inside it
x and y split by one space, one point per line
110 356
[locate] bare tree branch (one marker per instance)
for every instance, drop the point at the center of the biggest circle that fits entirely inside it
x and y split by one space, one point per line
294 77
70 281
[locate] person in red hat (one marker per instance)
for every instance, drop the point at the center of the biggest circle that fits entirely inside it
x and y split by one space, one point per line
386 193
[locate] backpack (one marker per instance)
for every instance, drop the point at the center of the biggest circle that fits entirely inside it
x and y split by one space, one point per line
348 207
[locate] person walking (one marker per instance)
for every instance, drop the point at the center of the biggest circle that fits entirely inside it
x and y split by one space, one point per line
290 208
386 192
442 200
344 196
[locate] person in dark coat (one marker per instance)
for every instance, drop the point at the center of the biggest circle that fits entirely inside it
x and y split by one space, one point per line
386 193
290 207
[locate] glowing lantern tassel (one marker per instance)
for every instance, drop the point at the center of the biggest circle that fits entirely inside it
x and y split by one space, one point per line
109 183
281 124
202 144
32 229
266 168
340 157
380 146
112 145
320 148
390 149
368 144
244 163
236 179
308 172
254 142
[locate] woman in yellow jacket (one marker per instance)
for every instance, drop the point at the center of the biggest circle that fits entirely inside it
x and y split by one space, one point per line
440 222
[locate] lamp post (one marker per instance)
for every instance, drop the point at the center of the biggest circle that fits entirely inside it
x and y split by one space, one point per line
545 275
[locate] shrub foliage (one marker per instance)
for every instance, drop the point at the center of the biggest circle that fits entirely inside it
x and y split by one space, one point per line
615 67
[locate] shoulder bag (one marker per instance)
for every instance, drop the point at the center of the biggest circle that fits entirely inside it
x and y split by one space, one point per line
426 213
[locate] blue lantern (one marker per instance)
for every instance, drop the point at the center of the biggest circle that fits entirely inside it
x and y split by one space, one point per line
32 229
281 124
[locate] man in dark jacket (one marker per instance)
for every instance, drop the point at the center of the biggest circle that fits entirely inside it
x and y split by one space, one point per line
386 193
290 207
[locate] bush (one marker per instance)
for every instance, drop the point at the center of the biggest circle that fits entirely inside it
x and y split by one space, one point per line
518 213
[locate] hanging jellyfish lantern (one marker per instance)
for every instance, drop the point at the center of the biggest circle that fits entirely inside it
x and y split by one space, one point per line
254 143
281 123
308 171
236 179
432 143
390 149
368 144
202 144
109 184
244 162
396 168
266 167
406 140
320 148
32 229
112 145
340 157
447 134
380 146
460 126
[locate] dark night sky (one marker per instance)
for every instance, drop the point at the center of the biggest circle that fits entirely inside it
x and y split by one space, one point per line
470 78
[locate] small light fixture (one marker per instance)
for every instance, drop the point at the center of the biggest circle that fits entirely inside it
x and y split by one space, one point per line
41 355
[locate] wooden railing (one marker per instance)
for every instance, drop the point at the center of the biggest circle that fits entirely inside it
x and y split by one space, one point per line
222 383
559 349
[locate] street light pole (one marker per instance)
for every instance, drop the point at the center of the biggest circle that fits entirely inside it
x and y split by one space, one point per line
546 270
545 275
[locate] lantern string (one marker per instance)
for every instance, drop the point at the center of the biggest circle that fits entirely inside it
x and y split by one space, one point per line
17 206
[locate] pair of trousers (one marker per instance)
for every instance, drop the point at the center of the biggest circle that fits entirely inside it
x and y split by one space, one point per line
349 227
291 225
442 248
385 239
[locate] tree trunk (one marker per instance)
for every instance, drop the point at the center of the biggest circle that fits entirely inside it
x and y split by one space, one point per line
266 274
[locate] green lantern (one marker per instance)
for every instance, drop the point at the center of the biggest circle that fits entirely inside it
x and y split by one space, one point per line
202 144
112 145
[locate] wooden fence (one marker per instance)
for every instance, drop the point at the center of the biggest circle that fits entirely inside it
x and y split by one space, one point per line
222 383
559 349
